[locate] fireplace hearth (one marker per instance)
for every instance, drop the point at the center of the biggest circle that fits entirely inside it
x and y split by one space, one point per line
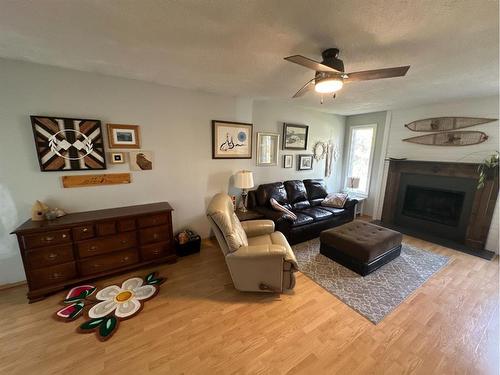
440 202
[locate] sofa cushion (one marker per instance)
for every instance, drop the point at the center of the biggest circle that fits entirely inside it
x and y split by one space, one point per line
333 210
317 213
316 188
275 190
279 207
302 219
297 194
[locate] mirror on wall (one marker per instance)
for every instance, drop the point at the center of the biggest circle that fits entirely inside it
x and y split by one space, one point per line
267 149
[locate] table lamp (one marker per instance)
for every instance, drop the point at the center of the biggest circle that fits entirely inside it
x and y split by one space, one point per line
353 182
243 180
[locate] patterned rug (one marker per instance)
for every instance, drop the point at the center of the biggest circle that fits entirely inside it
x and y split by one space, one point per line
110 304
376 295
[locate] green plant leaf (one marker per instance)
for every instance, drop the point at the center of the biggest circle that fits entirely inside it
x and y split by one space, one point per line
91 324
108 326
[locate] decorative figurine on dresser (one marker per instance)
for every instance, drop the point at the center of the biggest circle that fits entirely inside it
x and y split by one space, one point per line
87 245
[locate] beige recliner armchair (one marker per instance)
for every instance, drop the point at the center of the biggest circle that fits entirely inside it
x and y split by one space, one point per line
258 258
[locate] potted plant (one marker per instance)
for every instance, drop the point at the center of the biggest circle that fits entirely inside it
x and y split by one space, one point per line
487 168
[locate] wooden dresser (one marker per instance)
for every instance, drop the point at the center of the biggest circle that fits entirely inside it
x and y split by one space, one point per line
83 246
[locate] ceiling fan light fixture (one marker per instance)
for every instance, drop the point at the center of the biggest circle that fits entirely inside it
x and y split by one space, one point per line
328 85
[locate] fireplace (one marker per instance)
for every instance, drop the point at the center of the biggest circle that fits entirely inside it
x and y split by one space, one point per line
436 205
440 202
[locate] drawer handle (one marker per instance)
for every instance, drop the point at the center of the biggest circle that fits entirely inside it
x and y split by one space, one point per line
52 256
156 251
125 259
155 236
56 275
92 248
124 241
63 236
96 265
49 238
85 230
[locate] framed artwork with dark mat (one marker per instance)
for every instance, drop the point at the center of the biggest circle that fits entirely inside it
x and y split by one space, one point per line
295 136
68 144
305 162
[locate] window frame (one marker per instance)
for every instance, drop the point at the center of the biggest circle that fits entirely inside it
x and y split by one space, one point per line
370 164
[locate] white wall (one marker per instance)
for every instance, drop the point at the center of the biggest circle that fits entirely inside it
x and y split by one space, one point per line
378 118
175 124
480 107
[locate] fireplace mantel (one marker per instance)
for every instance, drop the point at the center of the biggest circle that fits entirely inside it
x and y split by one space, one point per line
483 201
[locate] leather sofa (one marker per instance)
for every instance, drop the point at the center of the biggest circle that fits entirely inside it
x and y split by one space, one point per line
304 199
259 258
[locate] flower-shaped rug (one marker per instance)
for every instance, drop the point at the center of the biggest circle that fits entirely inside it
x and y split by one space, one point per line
109 305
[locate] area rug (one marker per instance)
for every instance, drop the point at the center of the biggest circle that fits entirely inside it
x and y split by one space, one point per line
377 294
110 305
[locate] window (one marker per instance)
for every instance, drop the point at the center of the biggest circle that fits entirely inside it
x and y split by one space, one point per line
360 158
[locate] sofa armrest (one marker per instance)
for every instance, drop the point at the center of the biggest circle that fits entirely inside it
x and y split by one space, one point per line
257 252
350 203
257 227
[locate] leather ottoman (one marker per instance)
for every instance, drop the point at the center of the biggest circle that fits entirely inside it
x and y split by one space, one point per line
360 246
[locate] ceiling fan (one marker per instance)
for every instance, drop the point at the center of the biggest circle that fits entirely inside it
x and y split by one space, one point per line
330 75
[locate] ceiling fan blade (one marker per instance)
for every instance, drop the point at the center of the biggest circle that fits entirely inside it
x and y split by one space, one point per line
307 87
377 74
311 64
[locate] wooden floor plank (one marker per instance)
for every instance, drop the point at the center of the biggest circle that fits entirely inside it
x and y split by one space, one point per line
199 324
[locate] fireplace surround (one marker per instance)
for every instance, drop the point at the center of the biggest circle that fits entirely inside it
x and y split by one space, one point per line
440 202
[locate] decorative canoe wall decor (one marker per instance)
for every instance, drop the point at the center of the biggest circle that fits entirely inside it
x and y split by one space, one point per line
458 138
95 180
439 124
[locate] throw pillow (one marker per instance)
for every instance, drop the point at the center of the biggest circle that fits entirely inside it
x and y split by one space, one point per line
336 200
279 207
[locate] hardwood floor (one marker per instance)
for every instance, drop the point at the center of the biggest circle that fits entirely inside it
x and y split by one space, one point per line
198 324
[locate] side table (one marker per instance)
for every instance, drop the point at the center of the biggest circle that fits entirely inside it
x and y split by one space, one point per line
249 215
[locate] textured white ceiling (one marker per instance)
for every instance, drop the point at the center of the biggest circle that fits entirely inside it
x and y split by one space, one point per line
236 47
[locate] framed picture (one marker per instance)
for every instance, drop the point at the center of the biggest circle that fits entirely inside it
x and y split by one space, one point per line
123 136
117 158
68 144
231 140
287 161
141 160
267 149
295 137
305 162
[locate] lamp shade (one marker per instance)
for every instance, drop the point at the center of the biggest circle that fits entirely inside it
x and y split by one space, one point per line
243 180
353 182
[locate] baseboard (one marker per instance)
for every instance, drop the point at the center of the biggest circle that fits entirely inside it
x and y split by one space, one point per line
12 285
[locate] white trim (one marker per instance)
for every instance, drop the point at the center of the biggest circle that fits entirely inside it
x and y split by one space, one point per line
370 166
381 178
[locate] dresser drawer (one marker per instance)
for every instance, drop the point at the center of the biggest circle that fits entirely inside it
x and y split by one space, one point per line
126 225
108 262
149 221
157 250
52 275
106 228
47 238
106 244
83 232
49 256
154 234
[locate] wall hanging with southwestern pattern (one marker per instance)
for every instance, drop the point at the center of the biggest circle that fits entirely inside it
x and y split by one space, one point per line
109 305
68 144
